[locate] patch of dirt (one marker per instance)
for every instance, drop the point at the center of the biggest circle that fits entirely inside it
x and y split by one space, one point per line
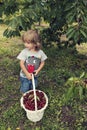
67 116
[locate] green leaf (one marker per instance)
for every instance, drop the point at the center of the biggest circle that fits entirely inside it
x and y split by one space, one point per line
69 30
81 92
3 128
70 7
83 33
84 27
82 75
71 79
85 20
76 36
69 14
70 35
69 93
5 32
71 18
13 23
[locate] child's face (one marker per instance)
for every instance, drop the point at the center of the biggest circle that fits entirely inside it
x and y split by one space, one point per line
30 46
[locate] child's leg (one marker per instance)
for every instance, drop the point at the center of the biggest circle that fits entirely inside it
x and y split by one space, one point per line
25 85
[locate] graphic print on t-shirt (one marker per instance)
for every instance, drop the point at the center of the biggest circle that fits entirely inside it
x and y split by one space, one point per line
34 61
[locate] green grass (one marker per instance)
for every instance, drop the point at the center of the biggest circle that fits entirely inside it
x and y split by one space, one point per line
60 65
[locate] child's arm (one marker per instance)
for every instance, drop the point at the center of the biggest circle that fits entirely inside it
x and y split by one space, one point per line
28 75
40 67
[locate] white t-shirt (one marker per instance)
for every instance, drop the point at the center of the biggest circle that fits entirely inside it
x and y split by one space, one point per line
32 58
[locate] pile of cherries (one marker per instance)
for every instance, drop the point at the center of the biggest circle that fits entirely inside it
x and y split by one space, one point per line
29 102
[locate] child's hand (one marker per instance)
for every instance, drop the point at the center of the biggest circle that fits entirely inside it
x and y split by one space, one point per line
36 72
40 68
29 76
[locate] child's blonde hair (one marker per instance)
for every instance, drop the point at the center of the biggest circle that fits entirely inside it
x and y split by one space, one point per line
32 36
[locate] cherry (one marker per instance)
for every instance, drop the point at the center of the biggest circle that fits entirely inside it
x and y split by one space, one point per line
85 81
28 100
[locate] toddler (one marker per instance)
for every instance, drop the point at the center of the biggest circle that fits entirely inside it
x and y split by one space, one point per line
32 59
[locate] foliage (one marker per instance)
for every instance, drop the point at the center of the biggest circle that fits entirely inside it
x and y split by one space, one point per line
77 88
77 20
20 15
64 17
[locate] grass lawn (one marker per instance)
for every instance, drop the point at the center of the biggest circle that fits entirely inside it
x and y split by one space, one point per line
60 65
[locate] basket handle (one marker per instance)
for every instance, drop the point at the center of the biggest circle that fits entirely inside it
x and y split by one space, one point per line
35 99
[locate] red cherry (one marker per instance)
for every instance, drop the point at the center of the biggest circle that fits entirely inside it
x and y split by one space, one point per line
28 100
85 81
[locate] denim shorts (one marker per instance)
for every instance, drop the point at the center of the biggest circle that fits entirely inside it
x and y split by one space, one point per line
26 84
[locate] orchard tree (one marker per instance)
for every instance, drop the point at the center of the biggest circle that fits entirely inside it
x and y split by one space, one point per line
76 18
67 17
64 17
20 15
